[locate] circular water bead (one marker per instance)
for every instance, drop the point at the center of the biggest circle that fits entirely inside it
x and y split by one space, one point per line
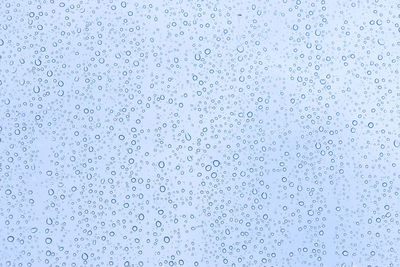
240 49
396 143
85 256
371 125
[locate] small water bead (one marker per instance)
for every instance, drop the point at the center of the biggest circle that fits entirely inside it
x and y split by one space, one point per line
396 143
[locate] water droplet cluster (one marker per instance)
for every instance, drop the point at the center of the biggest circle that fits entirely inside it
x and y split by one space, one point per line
199 133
